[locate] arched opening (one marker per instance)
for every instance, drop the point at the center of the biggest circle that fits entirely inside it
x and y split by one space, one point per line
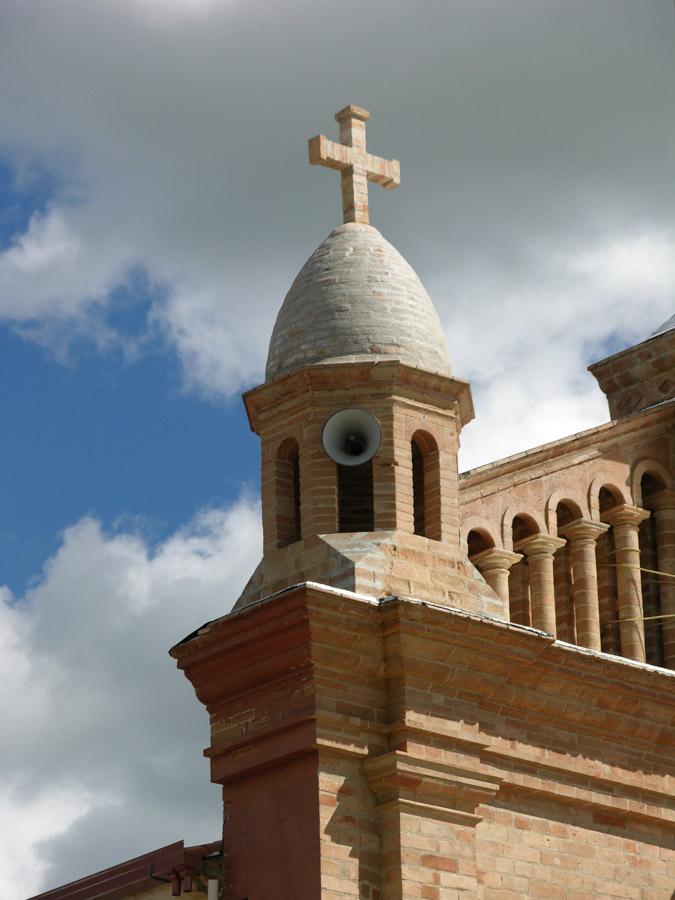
287 493
478 540
426 485
605 559
651 598
608 498
566 511
522 526
356 510
650 485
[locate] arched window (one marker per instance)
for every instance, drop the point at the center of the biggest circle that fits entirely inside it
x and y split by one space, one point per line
609 497
478 540
287 493
522 526
566 511
649 560
356 509
426 482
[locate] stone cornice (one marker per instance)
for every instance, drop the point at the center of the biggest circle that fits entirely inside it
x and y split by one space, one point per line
429 788
314 670
429 388
571 450
597 368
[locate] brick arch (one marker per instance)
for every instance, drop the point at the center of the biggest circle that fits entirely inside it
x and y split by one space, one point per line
287 500
507 523
425 440
287 448
426 477
478 523
562 496
648 467
426 431
609 481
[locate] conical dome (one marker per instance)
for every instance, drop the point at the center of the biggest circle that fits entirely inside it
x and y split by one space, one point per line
356 298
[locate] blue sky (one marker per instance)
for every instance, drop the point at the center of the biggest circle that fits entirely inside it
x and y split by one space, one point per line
155 206
119 441
112 435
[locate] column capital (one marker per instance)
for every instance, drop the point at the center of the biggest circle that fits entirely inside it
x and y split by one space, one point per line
495 558
664 499
583 529
625 514
539 545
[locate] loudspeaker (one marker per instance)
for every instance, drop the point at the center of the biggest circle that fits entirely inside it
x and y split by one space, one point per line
351 437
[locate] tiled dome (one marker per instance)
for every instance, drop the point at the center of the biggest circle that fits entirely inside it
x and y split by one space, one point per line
356 298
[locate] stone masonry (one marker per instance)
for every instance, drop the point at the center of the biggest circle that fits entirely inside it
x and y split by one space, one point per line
474 699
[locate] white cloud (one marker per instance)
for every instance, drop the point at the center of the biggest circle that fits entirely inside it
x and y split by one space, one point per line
102 735
176 131
534 157
643 264
526 349
169 12
35 820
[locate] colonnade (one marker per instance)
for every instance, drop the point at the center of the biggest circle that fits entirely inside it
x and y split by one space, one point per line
580 536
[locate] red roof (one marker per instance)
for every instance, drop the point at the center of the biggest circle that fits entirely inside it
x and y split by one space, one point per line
139 873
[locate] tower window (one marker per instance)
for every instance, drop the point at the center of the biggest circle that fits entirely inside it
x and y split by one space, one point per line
287 491
426 482
355 497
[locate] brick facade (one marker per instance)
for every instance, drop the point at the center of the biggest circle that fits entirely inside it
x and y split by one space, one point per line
386 723
459 701
397 749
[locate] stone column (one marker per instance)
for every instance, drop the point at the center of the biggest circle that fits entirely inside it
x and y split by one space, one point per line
581 536
494 565
663 505
539 550
625 521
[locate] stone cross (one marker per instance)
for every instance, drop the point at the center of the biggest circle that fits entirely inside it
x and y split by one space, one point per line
356 166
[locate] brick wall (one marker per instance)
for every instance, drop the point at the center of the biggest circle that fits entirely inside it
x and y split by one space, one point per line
434 754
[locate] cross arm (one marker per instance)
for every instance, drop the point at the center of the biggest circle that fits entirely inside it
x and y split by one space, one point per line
323 152
386 172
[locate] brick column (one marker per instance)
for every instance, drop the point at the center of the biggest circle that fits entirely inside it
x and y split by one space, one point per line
663 505
539 550
581 536
494 565
625 521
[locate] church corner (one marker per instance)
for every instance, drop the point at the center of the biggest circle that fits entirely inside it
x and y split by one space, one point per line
435 685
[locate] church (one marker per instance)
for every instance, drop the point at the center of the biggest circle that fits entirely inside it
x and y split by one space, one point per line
435 685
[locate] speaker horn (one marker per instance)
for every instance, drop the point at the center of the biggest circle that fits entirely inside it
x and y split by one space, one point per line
351 437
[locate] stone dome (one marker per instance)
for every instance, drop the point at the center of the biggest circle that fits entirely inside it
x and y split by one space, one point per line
356 298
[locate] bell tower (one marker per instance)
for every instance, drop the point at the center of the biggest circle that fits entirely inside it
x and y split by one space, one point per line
315 682
359 416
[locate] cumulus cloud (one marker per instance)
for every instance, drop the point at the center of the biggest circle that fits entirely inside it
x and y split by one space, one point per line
533 151
529 377
102 735
535 142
